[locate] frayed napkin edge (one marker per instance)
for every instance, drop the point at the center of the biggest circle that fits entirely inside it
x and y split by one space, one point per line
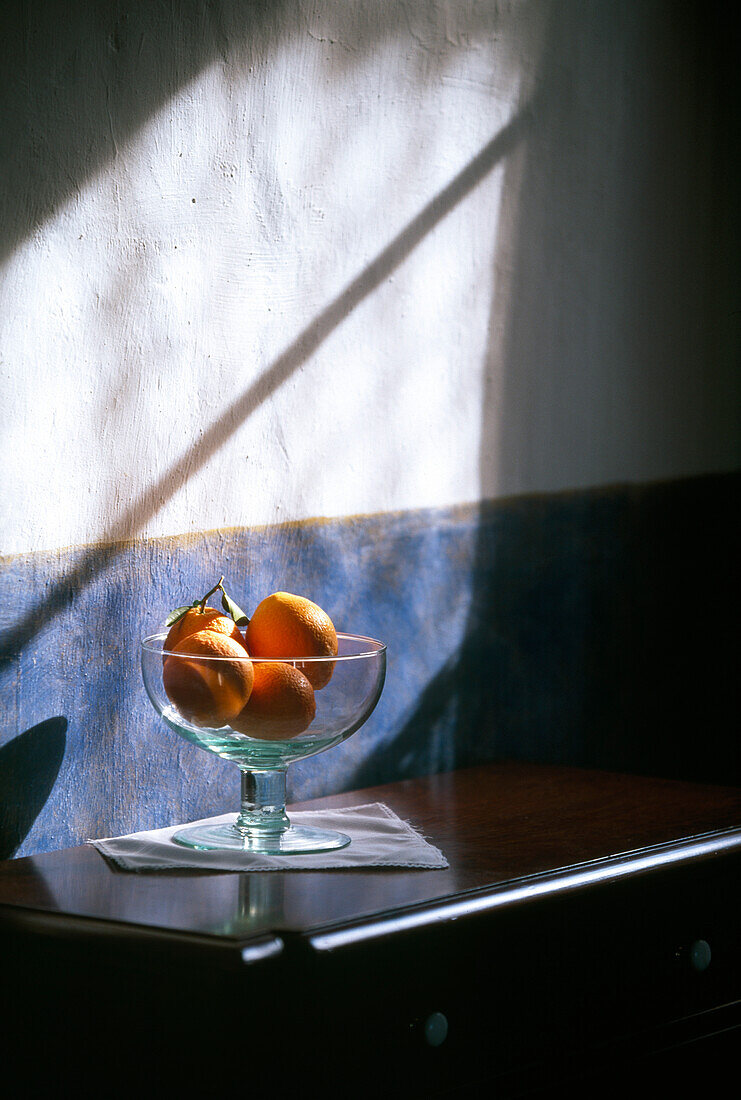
123 863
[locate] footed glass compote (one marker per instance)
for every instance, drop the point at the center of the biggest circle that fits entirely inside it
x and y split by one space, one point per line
296 708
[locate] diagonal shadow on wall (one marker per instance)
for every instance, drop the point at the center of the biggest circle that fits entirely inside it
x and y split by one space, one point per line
611 655
79 79
77 82
598 633
97 559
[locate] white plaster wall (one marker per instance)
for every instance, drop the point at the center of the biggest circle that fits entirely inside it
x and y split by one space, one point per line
277 283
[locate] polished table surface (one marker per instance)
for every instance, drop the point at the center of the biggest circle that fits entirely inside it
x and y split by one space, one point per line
571 905
495 824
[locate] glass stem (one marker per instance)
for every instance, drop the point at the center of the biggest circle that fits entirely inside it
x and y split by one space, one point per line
263 810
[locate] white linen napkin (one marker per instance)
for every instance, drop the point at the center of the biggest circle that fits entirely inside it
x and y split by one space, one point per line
378 839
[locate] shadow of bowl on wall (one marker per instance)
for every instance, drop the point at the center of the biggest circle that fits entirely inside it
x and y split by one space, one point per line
29 766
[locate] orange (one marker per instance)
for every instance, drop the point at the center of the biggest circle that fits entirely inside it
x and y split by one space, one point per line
208 692
209 619
280 706
289 627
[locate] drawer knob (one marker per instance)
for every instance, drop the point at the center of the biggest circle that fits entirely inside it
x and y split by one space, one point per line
700 955
436 1029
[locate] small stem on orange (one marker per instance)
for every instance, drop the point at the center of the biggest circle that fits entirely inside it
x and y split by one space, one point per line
216 587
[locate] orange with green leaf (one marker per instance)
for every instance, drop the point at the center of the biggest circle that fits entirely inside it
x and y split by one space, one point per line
208 677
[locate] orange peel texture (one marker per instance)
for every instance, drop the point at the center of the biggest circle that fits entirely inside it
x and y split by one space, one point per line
281 704
288 627
208 677
194 621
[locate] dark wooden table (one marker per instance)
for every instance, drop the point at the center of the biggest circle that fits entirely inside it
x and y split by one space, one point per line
584 935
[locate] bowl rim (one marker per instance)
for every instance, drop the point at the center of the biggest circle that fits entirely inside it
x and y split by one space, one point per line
149 645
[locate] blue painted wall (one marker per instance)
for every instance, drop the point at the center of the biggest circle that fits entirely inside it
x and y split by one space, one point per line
593 628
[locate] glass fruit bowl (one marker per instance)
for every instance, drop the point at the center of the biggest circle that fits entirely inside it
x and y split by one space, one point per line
296 708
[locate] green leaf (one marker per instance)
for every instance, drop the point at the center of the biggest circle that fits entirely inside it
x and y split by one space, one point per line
176 615
233 609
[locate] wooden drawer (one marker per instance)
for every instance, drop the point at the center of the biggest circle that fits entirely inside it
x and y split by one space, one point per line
583 941
557 982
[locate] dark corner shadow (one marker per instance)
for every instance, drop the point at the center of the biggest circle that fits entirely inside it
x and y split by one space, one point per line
423 746
29 766
95 560
473 710
590 641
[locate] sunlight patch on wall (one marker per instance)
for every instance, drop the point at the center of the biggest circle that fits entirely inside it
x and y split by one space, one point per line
169 285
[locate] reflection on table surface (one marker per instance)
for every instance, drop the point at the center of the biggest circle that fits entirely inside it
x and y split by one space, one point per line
495 824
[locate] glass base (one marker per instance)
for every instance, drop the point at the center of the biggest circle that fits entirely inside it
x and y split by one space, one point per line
295 840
